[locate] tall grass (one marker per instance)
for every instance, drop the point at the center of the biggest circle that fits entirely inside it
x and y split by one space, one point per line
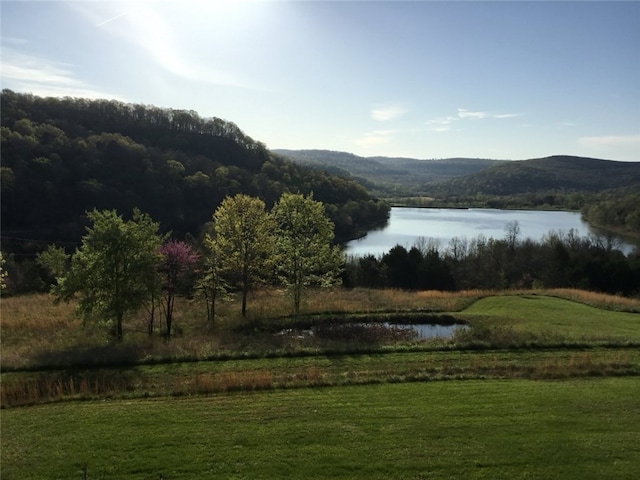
598 300
38 334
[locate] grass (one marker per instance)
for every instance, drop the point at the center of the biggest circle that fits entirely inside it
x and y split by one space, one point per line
195 378
544 314
48 356
573 429
544 384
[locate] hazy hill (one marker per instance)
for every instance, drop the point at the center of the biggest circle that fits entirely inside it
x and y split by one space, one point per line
64 156
555 173
389 173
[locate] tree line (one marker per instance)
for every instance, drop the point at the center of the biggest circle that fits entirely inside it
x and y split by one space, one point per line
560 260
125 266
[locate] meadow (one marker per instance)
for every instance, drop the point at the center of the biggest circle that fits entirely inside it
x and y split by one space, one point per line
571 429
541 384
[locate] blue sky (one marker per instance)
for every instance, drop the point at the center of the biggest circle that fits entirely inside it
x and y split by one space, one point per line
422 79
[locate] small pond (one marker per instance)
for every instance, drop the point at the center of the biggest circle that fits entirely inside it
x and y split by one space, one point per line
375 331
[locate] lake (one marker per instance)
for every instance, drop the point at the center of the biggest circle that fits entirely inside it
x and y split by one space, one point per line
406 225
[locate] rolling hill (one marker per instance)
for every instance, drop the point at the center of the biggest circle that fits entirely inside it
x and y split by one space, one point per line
64 156
388 174
549 174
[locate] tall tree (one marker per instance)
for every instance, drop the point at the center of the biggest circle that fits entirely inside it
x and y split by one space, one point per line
244 241
177 259
115 267
212 283
305 254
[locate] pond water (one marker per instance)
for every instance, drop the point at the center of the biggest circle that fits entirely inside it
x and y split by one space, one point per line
420 331
428 330
406 225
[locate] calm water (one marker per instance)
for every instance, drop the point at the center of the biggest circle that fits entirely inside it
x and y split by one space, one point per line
406 225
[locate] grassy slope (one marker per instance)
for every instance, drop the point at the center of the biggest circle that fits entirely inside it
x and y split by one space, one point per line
541 314
578 429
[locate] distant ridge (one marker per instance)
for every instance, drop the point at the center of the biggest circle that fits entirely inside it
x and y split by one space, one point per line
387 173
470 176
554 173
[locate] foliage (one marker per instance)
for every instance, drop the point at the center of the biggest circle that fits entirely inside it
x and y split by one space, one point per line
3 273
555 173
304 251
617 210
388 176
64 156
55 260
114 270
243 241
178 258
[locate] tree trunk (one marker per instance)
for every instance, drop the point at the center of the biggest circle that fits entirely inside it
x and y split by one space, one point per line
119 327
245 291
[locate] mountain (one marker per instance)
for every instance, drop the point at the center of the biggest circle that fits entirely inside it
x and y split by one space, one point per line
387 174
549 174
64 156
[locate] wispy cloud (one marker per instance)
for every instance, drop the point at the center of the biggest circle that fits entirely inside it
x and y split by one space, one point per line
111 19
469 115
611 141
28 73
442 124
376 137
445 124
387 112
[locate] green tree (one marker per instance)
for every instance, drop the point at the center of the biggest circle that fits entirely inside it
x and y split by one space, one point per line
115 269
305 254
244 241
212 284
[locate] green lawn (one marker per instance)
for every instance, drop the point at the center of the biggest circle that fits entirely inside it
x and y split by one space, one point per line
582 429
545 314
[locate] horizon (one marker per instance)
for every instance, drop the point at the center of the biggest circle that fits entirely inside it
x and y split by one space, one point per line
422 80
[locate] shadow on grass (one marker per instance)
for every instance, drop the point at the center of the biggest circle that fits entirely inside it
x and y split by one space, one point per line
83 356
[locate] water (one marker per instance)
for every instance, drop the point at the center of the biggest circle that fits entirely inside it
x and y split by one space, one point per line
429 330
406 225
421 331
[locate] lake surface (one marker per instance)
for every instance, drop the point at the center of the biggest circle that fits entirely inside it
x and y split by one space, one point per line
406 225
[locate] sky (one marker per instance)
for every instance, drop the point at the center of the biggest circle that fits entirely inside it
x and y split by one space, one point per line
421 79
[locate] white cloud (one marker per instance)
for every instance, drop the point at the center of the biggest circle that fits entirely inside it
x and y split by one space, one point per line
466 114
442 124
469 115
28 73
506 115
445 124
611 141
376 137
389 112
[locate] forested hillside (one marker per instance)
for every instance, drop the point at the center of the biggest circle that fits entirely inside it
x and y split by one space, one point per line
390 175
62 157
556 173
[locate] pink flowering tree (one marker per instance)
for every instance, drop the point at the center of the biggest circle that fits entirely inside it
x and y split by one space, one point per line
178 258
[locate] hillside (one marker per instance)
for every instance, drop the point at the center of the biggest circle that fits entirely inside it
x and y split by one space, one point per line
550 174
62 157
388 174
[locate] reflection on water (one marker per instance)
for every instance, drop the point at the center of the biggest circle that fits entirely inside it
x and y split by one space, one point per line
440 225
407 331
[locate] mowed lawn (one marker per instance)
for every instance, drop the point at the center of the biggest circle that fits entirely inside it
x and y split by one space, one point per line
579 428
558 316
